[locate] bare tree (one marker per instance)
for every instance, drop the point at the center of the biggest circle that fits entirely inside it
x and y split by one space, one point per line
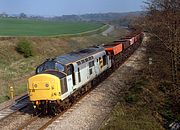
163 21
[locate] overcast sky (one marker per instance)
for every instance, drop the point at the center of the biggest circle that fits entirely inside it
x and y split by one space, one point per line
60 7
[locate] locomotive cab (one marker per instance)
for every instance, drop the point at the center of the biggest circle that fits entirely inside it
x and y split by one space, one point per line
48 84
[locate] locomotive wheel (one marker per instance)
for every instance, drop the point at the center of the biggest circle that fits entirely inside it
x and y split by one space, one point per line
54 109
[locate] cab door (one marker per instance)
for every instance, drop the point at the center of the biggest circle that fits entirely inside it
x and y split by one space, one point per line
74 73
71 81
101 62
97 68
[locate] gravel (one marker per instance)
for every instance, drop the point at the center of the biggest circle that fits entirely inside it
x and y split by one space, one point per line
14 121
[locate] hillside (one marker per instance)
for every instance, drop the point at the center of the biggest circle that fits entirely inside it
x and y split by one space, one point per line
109 16
123 19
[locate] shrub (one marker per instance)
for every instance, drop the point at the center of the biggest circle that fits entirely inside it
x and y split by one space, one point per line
167 110
24 47
165 86
131 99
137 87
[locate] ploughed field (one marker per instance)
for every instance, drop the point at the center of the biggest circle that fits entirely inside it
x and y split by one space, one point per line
27 27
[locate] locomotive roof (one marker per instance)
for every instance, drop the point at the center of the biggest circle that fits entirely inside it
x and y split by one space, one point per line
121 40
77 55
110 44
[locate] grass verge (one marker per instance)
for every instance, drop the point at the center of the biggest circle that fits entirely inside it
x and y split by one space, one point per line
133 111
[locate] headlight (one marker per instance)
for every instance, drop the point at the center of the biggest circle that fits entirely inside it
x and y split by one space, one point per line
35 85
46 85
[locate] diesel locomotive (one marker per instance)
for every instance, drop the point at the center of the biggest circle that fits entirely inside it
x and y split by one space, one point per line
59 80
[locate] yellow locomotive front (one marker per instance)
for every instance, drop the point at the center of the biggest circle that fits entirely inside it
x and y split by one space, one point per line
44 88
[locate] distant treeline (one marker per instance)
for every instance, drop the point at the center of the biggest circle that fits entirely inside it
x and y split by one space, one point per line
118 18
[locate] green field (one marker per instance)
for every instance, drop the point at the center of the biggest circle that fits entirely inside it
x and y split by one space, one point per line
26 27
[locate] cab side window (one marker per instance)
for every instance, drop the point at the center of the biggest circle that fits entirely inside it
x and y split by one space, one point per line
69 70
104 60
73 73
79 75
91 64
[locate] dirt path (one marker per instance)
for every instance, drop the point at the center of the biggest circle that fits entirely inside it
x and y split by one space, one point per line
109 30
92 110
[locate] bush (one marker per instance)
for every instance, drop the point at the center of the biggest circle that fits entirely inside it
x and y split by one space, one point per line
137 87
131 99
167 110
165 86
24 47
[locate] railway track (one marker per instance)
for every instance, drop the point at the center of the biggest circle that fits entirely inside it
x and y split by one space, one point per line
14 111
12 102
19 104
41 123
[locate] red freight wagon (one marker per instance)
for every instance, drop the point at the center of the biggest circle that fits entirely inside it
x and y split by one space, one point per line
125 43
131 39
114 48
